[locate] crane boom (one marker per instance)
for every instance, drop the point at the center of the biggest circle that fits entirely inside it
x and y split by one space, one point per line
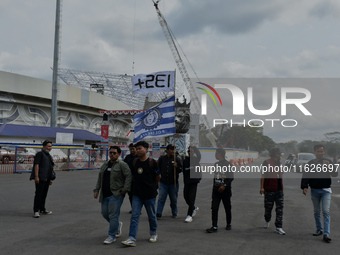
182 69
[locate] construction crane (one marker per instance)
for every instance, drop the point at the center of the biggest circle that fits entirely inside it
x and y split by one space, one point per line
185 76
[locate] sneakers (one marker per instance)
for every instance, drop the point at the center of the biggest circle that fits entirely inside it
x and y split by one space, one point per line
228 227
327 239
36 215
211 230
318 232
280 231
46 212
266 224
109 239
195 211
188 219
174 216
129 242
119 230
159 216
153 238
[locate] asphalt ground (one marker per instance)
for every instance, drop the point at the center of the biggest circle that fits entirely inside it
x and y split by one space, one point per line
77 227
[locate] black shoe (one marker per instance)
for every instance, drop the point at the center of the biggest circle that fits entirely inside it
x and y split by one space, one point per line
318 233
159 216
130 212
327 239
174 216
228 227
211 230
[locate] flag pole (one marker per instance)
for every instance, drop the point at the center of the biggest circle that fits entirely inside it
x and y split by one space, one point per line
175 170
175 160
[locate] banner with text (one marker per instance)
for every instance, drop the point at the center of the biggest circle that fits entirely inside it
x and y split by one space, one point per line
154 82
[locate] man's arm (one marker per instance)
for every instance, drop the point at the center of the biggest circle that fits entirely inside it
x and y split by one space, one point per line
128 177
36 171
262 185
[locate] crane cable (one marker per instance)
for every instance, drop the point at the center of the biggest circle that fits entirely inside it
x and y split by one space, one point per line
192 68
133 39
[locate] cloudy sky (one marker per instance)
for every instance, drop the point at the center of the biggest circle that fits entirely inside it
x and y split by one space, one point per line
221 38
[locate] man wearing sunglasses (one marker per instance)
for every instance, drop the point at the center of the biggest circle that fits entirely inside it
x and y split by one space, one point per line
114 181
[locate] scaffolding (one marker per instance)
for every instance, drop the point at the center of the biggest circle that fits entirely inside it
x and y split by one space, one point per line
117 86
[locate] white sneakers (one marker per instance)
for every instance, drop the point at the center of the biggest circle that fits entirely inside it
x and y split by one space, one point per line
195 211
188 219
109 239
119 230
280 231
36 215
277 230
266 224
153 238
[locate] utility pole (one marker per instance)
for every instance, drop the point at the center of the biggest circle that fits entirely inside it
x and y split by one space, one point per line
54 105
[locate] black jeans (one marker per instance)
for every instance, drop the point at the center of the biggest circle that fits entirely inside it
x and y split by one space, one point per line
41 190
189 193
271 197
215 204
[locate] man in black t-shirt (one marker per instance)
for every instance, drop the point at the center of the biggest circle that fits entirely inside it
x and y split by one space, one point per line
146 178
41 174
221 190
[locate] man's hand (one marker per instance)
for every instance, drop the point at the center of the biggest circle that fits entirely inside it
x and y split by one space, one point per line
175 164
262 191
36 180
51 182
304 191
123 192
95 195
221 189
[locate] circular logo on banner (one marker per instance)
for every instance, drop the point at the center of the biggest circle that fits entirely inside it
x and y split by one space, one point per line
140 170
152 120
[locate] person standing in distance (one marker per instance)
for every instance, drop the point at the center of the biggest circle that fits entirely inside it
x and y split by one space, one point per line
272 188
41 174
320 184
191 179
221 190
169 181
146 178
114 180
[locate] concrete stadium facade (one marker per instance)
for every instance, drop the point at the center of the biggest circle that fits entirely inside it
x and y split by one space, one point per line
27 101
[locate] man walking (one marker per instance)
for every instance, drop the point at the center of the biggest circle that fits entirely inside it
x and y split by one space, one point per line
317 175
191 179
145 177
114 180
169 170
42 176
221 190
129 160
272 188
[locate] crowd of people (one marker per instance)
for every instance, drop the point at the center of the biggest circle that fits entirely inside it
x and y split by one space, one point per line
143 179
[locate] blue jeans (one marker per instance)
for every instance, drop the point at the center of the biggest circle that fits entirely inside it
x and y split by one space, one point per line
111 210
320 196
137 204
164 190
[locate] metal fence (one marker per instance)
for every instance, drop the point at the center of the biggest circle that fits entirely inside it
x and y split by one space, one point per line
20 159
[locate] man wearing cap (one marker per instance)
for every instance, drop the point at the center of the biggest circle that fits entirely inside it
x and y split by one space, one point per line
272 188
168 184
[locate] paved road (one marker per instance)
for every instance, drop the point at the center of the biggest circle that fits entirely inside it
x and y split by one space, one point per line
77 227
